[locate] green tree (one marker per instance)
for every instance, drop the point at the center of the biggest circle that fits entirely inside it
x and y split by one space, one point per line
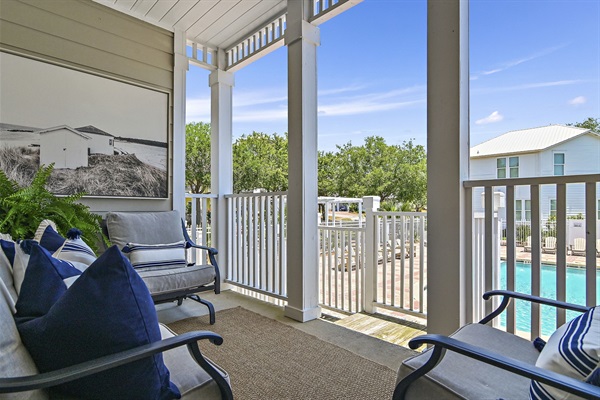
197 157
260 161
327 171
590 123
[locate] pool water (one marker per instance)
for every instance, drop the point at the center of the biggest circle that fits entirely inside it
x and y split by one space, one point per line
575 294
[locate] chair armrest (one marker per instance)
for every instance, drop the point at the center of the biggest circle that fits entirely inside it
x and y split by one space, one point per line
508 295
211 250
442 343
67 374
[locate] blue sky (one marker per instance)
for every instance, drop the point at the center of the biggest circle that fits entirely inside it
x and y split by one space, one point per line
533 63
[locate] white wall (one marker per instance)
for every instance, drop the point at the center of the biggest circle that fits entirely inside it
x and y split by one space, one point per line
63 148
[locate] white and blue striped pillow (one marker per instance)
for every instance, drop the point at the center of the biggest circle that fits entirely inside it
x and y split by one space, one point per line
77 251
156 255
572 350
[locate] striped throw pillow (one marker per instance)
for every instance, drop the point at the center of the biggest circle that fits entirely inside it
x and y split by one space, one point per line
170 255
572 350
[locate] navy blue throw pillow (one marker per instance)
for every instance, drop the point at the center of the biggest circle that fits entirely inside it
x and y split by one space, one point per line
46 280
108 309
8 248
51 240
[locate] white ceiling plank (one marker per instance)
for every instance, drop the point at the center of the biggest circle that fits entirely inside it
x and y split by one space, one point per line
197 12
160 9
143 6
125 4
178 11
202 24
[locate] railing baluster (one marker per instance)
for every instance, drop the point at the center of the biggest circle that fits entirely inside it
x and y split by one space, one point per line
510 256
561 250
536 267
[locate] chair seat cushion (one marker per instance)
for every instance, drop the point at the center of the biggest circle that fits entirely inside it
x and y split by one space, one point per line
457 376
193 382
162 280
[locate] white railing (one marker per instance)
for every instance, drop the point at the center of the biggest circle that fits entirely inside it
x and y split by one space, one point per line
483 266
342 261
257 227
198 222
401 278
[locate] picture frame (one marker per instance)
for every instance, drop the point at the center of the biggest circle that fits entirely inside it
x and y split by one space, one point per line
105 137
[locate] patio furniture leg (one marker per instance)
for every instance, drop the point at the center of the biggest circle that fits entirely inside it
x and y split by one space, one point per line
211 308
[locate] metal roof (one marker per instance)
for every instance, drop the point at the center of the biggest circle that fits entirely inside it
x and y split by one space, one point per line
93 130
527 140
64 127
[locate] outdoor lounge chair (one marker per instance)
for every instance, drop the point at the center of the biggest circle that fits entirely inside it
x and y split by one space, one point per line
578 247
527 245
168 280
481 362
549 245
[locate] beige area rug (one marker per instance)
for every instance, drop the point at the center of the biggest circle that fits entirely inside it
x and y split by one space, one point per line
267 359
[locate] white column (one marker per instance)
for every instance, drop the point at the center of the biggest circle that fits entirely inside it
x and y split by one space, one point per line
447 162
221 91
302 39
179 74
371 204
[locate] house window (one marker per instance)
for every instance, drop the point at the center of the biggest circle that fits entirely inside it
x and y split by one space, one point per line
110 142
501 168
513 167
559 163
527 210
518 212
553 208
513 163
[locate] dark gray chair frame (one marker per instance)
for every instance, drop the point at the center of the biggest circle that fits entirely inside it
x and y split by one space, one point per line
54 378
443 343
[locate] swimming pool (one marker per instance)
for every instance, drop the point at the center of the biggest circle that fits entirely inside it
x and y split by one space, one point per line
575 294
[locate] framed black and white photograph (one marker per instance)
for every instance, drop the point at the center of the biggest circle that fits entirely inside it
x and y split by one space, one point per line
105 138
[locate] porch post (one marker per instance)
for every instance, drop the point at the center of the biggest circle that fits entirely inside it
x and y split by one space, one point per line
371 204
179 74
447 162
302 39
221 153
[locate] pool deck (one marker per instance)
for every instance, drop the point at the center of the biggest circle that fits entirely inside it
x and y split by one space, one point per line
547 258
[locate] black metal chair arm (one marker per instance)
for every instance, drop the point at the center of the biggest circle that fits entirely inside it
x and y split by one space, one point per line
63 375
442 343
508 295
211 250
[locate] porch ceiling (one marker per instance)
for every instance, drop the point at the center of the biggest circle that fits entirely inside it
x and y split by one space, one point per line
212 23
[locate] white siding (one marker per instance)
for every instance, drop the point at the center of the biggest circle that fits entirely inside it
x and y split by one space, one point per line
63 148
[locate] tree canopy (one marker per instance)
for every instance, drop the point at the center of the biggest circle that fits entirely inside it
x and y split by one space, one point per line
590 123
197 157
395 173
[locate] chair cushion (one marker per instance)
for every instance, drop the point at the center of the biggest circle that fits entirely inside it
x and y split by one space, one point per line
572 350
193 382
48 237
459 377
165 280
145 227
156 255
107 310
14 357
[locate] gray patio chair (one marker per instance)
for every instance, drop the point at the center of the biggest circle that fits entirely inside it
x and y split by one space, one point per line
166 283
482 362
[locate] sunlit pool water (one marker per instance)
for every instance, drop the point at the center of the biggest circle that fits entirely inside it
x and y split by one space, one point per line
575 294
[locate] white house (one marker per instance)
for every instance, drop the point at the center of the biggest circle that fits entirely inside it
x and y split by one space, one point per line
101 142
64 146
552 150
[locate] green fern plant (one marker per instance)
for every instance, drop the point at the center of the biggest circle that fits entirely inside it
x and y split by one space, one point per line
23 208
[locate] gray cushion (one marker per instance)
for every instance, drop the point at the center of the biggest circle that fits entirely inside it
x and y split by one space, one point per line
164 280
14 357
460 377
145 227
193 382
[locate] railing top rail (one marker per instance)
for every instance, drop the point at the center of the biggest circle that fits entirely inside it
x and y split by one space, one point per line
342 228
229 196
536 180
400 213
201 196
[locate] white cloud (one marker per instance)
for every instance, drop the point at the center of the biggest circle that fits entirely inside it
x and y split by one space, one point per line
579 100
490 119
527 86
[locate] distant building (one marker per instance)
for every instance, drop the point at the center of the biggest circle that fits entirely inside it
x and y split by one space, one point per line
63 146
101 143
544 151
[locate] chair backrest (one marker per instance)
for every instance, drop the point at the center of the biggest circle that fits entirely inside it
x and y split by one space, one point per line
550 242
579 243
160 227
528 241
